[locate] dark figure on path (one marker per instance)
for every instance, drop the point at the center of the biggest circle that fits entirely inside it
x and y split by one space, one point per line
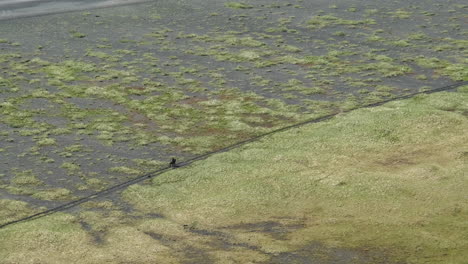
172 164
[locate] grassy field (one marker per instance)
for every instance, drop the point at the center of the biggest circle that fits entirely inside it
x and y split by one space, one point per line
376 185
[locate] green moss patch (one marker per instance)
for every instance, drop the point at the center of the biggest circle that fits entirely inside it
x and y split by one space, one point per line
25 178
237 5
54 194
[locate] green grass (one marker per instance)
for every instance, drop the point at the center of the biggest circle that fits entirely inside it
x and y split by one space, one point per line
70 167
11 210
237 5
387 179
395 171
54 194
46 142
26 177
321 21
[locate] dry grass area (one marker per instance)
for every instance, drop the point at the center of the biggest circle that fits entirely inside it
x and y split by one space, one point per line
377 185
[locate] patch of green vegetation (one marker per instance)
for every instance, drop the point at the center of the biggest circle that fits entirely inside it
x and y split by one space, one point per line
54 194
421 77
429 62
127 40
95 183
459 44
387 69
427 13
46 142
339 34
99 54
70 167
11 210
5 83
463 89
15 118
239 41
74 148
68 70
417 36
237 5
53 230
375 38
400 13
76 34
321 21
26 177
456 71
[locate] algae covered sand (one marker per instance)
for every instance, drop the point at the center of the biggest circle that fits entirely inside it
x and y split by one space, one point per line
376 185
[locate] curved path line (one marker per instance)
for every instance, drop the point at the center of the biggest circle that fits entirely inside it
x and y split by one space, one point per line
206 155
